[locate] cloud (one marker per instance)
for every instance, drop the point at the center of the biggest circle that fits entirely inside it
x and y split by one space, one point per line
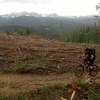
24 1
61 7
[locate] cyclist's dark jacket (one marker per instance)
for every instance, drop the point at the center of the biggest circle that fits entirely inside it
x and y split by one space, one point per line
89 56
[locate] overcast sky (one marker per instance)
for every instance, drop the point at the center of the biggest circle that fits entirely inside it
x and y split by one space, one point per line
61 7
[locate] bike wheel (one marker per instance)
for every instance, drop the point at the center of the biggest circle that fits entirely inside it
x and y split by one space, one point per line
93 70
41 71
79 70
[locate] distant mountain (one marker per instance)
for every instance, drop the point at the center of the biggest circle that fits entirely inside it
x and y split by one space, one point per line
18 14
45 23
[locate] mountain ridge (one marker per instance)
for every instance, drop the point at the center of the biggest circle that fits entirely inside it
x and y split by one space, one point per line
35 14
45 24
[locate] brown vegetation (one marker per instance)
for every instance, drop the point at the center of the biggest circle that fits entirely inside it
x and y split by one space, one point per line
35 52
35 55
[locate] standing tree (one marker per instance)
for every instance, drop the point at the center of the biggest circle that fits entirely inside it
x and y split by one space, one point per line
98 8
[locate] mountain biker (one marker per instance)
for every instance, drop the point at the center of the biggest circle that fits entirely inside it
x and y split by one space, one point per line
89 56
93 56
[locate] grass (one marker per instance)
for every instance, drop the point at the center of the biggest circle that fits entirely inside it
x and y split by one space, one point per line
26 66
26 88
92 91
55 92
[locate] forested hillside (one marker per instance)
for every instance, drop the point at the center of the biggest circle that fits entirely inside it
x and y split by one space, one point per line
69 29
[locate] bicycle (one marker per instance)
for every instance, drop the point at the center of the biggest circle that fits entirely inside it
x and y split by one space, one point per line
86 67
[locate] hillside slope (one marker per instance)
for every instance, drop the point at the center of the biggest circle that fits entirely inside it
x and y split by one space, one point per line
45 25
30 63
21 53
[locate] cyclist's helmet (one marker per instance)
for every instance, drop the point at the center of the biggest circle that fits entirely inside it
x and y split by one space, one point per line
87 50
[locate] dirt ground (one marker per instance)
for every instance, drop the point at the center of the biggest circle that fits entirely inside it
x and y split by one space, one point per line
12 84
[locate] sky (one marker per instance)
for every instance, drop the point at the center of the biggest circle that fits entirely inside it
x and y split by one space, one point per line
61 7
